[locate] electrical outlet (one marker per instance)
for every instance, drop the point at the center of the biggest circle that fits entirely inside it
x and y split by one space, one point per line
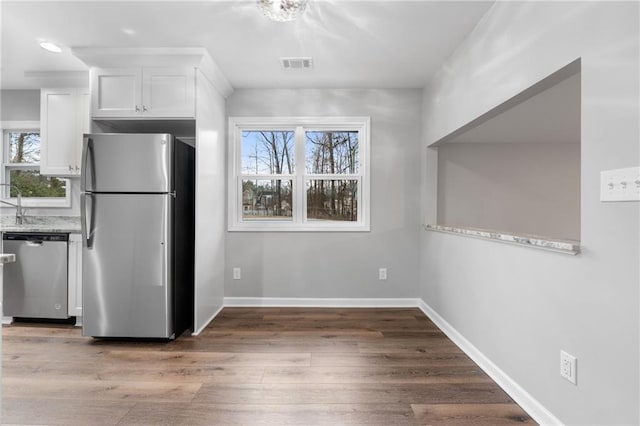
568 367
382 274
237 274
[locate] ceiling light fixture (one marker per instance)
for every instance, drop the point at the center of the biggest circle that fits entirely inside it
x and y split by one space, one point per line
51 47
282 10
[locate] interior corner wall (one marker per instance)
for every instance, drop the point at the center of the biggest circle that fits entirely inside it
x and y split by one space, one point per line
341 264
521 306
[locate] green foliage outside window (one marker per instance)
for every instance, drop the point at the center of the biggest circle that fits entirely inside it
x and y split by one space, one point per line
24 149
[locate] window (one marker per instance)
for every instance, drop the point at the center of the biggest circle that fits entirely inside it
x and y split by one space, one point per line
21 170
299 174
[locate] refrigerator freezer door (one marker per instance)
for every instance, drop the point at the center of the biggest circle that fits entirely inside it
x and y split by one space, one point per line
126 162
126 266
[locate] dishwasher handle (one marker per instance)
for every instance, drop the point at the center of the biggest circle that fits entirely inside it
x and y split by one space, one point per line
34 243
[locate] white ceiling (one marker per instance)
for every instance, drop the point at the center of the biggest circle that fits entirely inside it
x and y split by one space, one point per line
354 43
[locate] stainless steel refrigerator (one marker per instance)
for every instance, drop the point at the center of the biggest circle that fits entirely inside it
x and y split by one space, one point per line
137 208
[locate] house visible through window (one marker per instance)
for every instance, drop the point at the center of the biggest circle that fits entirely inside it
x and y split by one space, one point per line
294 174
21 170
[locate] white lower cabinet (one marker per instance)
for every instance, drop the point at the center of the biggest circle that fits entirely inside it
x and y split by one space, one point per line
75 277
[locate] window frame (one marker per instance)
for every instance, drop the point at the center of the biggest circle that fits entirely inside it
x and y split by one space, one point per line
299 221
7 127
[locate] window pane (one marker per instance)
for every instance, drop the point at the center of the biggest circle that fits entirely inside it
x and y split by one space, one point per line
332 152
268 152
332 200
266 199
32 184
24 147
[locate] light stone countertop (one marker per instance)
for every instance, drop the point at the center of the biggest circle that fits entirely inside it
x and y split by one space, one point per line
70 224
7 258
533 241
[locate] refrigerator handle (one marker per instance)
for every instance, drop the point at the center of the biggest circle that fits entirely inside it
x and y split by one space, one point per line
88 164
164 243
87 229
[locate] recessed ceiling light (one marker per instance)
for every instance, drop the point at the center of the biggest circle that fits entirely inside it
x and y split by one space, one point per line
51 47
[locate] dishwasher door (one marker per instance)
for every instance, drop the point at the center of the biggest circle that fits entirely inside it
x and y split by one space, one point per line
36 286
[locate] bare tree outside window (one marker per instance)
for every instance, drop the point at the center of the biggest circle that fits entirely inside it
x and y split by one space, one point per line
267 153
332 153
299 174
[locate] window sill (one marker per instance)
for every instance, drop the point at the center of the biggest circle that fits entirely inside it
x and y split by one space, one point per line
287 227
525 240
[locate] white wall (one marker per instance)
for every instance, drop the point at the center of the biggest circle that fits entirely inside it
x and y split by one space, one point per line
521 306
210 202
534 188
341 265
20 105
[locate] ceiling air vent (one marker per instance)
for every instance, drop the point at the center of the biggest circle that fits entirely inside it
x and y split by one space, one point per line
296 63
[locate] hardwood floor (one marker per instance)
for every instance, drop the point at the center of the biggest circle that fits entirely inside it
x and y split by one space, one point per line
253 366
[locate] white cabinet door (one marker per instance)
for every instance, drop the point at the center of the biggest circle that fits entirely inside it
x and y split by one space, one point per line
168 92
64 116
152 92
75 275
116 92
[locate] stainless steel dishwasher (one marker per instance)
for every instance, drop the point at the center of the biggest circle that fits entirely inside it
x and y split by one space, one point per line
36 286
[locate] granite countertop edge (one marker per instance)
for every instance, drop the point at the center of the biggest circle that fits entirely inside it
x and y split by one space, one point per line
7 258
533 241
62 224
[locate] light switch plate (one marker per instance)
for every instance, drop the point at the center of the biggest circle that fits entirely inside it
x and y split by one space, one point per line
620 185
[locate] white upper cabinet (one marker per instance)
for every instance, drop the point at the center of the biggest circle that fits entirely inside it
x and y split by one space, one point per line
144 92
117 92
64 117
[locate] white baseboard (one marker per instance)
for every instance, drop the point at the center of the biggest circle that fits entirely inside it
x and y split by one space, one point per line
294 302
7 320
528 403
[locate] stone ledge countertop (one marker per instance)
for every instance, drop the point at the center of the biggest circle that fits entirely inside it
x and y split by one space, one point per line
7 258
70 224
533 241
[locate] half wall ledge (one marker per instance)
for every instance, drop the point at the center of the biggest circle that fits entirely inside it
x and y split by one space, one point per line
533 241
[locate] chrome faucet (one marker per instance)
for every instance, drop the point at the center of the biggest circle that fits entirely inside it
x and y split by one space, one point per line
18 205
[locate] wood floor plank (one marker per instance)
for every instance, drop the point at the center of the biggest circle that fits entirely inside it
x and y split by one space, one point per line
224 335
276 346
41 411
252 359
254 366
384 374
98 389
413 359
471 414
145 373
265 414
357 393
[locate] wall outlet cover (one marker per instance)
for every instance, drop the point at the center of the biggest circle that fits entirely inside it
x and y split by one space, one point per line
568 367
382 273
